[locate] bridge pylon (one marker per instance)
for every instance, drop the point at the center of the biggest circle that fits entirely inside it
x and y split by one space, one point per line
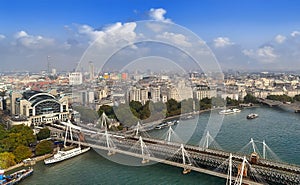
103 121
144 150
229 175
208 141
137 128
68 131
185 156
109 144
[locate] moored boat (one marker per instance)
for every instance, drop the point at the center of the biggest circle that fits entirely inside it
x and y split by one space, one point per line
15 177
229 111
63 155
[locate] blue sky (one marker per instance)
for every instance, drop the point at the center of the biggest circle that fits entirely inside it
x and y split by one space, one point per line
246 24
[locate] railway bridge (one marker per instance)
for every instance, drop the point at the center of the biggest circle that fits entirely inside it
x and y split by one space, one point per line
235 168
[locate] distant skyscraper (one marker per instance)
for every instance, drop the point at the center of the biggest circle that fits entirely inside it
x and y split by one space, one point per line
53 71
91 68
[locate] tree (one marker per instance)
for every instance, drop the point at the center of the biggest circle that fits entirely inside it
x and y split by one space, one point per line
18 135
136 108
108 110
218 102
249 98
173 107
44 147
205 103
21 153
231 102
26 133
297 97
187 105
145 112
3 132
7 160
86 114
282 98
43 134
125 115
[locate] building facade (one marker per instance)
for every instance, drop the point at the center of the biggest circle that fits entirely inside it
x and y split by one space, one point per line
39 107
75 78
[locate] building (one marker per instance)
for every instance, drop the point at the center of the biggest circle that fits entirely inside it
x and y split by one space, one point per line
134 94
91 70
38 107
155 93
173 94
204 91
185 91
75 78
144 95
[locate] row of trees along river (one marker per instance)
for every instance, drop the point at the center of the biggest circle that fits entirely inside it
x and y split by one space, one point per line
150 111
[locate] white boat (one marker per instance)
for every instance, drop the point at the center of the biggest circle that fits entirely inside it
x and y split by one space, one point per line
63 155
67 154
252 116
229 111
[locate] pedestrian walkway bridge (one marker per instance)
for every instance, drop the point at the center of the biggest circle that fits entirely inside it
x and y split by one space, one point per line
235 168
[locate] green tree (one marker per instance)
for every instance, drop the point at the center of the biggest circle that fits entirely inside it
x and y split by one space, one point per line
282 98
44 147
7 159
26 132
231 102
249 98
173 108
205 103
136 108
21 153
297 97
18 135
86 114
125 116
145 111
3 132
187 105
43 134
109 111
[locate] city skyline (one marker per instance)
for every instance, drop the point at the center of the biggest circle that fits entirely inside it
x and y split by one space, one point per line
249 35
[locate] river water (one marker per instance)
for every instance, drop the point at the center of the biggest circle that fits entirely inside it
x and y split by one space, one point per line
279 128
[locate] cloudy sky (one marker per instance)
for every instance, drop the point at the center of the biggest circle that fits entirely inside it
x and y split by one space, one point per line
243 35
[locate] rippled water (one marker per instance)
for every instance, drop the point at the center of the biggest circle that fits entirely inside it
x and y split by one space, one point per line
279 128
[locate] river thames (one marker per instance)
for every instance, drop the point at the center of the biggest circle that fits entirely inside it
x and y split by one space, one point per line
279 128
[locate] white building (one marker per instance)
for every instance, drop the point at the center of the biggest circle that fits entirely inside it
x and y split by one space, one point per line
75 78
204 92
155 93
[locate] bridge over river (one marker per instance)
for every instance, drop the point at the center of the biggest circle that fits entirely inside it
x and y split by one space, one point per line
235 168
288 105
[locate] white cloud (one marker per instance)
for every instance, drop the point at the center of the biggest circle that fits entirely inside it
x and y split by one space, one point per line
280 39
178 39
111 34
32 41
158 15
222 42
295 33
2 37
264 54
21 34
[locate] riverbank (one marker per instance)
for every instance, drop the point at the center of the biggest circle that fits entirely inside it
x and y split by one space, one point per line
35 159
